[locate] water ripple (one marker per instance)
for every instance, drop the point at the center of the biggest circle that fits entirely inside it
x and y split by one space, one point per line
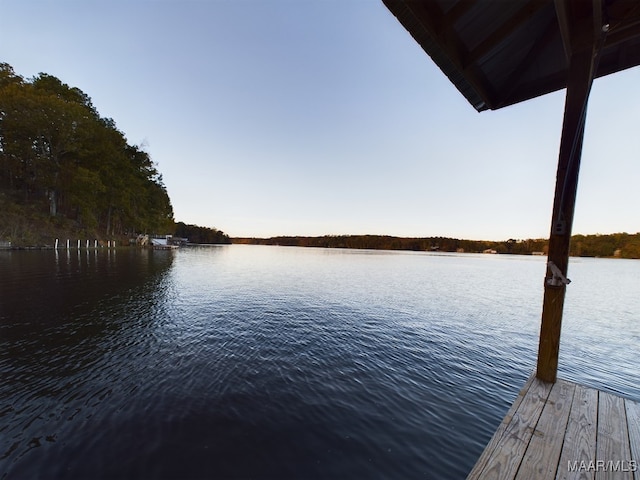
259 362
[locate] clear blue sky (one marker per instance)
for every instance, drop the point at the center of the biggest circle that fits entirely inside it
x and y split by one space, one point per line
300 117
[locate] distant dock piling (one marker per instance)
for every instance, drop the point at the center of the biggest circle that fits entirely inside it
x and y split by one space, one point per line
110 244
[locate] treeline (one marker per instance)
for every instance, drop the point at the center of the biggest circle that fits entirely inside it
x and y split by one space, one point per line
616 245
61 158
386 242
196 234
622 245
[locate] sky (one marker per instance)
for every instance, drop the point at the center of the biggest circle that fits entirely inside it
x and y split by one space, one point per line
324 117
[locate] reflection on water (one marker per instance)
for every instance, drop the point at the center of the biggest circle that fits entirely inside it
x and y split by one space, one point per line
62 315
600 331
268 362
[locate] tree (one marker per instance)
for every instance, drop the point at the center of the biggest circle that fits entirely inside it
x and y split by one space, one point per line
197 234
58 152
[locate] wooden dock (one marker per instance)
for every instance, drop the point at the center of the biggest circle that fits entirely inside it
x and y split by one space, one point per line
564 431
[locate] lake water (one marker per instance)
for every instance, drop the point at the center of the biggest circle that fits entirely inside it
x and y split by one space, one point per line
280 362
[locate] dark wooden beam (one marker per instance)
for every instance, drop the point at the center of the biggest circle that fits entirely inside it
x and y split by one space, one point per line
615 38
597 22
458 10
513 82
624 22
623 25
563 25
433 20
576 21
581 70
506 29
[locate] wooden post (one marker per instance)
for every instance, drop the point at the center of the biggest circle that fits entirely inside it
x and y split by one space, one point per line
581 66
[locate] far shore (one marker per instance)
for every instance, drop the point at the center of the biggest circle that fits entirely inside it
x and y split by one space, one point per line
618 245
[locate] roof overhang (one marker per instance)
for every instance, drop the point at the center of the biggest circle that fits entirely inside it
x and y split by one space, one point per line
498 53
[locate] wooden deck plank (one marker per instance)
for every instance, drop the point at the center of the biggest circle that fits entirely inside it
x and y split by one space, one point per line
612 443
564 431
541 457
580 438
633 424
505 459
497 436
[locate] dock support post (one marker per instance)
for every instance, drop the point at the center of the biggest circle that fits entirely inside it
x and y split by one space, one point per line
581 67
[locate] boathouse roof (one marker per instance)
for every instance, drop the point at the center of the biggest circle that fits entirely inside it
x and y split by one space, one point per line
498 53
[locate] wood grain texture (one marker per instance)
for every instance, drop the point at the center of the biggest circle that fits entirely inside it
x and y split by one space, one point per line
612 443
564 431
505 459
541 457
497 436
633 424
580 438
